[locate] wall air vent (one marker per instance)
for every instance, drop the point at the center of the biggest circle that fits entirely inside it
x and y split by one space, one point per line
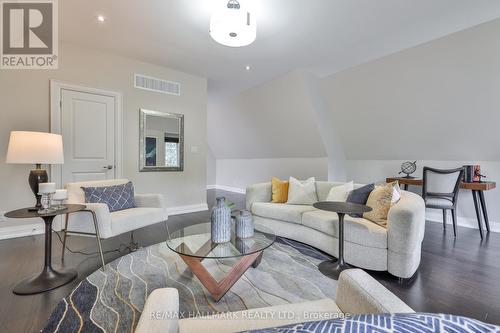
157 85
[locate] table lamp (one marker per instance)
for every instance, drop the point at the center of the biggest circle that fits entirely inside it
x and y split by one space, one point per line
35 148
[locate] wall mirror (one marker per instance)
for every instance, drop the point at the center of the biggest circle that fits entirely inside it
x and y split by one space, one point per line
161 141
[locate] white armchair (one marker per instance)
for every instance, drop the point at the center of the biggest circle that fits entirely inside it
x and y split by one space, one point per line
98 221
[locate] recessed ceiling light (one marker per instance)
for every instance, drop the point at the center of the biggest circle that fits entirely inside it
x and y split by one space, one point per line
248 67
101 18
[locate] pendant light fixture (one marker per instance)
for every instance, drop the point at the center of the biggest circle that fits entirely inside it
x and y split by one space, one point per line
233 26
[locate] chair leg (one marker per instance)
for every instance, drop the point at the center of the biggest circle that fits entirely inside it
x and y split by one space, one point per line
98 237
444 219
454 216
65 236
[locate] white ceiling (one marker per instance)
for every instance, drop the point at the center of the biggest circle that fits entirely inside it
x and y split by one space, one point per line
324 36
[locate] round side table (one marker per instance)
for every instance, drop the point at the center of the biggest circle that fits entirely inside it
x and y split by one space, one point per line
334 268
49 278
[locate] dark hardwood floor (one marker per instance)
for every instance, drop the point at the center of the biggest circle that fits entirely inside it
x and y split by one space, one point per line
459 276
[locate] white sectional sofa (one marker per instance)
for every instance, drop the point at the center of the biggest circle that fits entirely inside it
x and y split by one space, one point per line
357 293
367 245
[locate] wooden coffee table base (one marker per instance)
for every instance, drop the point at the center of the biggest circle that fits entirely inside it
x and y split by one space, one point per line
219 288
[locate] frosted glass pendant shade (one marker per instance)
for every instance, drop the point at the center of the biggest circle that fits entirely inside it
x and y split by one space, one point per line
233 27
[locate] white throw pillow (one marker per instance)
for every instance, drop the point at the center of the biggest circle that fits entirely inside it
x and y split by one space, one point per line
302 192
340 193
396 193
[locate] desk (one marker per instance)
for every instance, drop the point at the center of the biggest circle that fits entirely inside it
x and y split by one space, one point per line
477 196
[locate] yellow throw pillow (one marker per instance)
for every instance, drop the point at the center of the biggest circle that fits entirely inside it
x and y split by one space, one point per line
380 203
280 190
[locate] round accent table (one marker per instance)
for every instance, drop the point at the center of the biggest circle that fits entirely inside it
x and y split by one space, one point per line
333 268
49 278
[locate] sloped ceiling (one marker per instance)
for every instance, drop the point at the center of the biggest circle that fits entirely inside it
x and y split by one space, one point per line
438 101
274 120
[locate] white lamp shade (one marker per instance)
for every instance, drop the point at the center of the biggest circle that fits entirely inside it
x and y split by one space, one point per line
233 27
35 148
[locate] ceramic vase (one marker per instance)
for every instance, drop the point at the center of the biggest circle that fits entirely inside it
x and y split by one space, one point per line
221 222
244 224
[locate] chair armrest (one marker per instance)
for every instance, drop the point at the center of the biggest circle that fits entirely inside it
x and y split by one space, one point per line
406 224
83 221
149 200
261 192
359 293
160 313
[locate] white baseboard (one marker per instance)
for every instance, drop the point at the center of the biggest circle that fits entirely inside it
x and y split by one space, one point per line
16 231
178 210
461 221
38 228
226 188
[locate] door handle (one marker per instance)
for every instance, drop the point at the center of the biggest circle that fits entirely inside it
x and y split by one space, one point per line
109 167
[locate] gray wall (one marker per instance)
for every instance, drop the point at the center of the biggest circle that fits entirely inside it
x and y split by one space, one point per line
24 102
239 173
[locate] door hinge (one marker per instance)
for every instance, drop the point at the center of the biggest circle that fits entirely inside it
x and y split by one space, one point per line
60 103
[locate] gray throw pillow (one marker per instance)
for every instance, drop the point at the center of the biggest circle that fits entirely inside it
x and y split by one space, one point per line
360 196
117 197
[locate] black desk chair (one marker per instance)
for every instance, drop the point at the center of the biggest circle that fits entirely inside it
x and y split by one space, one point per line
440 191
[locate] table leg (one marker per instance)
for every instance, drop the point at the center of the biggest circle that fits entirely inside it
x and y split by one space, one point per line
485 211
405 187
49 278
478 214
333 269
219 288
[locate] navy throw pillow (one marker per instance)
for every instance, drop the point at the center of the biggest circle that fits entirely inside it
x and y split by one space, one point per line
117 197
388 323
360 196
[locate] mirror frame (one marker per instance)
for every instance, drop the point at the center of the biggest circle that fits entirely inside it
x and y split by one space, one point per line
143 113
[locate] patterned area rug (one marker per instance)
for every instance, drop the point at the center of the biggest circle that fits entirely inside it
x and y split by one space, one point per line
112 301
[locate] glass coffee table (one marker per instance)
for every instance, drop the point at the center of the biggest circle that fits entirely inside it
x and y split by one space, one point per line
194 245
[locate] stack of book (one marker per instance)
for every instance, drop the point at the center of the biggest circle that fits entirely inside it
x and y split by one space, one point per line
472 173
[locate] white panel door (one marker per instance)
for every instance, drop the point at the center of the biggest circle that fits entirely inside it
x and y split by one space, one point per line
88 130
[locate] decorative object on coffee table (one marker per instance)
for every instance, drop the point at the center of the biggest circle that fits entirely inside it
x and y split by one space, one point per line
408 168
195 244
244 224
334 268
49 278
221 222
35 148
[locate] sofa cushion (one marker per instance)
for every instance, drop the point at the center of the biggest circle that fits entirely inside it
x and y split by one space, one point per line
262 318
356 230
360 196
302 192
380 201
283 212
280 190
340 193
134 218
117 197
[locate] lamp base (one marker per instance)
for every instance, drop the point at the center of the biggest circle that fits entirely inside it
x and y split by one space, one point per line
36 177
